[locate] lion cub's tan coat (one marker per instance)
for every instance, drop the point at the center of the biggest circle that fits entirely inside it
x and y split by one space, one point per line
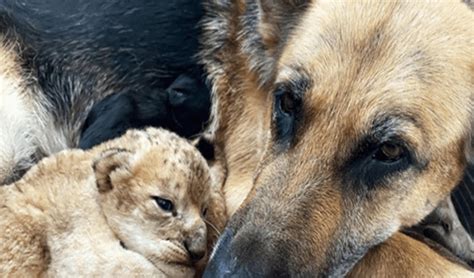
70 212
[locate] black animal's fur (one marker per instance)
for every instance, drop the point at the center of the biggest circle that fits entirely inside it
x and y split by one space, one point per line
183 107
73 54
78 52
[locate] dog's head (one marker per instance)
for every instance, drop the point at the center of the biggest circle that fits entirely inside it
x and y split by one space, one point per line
370 106
156 196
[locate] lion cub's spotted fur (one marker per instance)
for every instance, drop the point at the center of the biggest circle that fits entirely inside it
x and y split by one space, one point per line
73 212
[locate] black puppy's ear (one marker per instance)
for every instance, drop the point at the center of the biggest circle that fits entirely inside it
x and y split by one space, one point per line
110 162
205 147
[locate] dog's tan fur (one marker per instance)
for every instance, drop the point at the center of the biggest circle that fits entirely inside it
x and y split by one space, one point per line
69 213
361 60
403 256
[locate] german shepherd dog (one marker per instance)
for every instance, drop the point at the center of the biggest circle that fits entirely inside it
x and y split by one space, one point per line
341 123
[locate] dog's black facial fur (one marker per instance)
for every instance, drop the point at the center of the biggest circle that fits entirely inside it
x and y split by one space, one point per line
183 108
369 166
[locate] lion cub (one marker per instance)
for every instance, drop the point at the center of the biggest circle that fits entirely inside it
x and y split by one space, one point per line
131 206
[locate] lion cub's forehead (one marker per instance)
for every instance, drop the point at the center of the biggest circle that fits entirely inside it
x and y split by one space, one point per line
172 159
176 165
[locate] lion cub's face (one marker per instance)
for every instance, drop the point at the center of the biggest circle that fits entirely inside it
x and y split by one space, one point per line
155 199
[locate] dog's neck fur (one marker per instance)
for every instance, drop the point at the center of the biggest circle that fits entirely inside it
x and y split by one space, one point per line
241 46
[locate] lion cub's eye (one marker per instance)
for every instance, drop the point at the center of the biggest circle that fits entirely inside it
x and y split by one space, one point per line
204 212
164 204
389 152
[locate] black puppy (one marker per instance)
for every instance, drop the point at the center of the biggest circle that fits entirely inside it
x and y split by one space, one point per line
183 107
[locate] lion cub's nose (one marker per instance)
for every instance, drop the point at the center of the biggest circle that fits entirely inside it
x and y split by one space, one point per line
196 248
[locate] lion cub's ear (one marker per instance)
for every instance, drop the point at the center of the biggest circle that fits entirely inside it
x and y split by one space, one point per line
111 162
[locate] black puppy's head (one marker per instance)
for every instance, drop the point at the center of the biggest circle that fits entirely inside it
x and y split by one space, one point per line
189 100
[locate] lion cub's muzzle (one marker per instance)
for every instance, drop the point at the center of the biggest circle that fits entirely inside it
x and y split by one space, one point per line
196 245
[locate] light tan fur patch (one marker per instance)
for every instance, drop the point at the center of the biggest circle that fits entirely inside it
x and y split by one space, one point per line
70 213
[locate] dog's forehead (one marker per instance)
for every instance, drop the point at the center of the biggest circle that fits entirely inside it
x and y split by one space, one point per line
398 61
399 40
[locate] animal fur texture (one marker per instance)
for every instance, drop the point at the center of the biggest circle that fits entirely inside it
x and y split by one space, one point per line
182 107
60 58
95 212
340 123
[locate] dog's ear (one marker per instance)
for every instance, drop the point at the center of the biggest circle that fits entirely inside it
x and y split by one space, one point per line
277 18
111 162
281 12
266 26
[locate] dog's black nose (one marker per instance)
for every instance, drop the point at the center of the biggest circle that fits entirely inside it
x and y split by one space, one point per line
245 256
220 264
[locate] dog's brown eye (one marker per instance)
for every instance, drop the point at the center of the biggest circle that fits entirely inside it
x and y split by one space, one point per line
164 204
286 107
389 152
287 103
376 161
